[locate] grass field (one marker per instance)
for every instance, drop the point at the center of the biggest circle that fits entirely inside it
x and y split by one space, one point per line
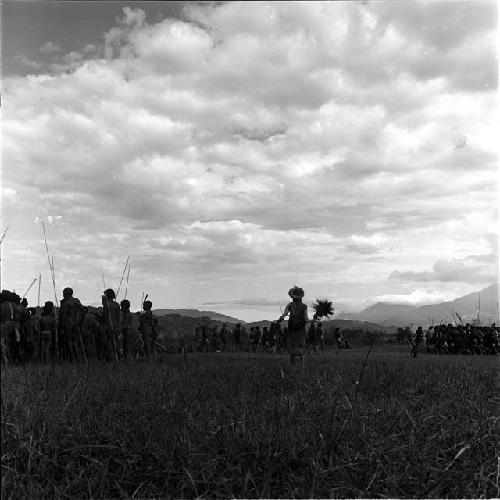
236 425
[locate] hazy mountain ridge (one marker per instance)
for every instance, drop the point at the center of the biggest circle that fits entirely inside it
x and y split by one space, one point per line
195 313
389 314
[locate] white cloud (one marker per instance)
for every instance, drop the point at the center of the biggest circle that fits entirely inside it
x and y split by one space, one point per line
276 141
417 297
50 48
481 269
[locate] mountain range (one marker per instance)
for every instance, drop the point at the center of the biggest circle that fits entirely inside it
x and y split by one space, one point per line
195 313
388 314
384 315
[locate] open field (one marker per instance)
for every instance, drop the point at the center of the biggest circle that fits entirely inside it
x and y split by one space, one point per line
234 425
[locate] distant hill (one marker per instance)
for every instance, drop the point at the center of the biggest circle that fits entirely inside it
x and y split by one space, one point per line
344 324
174 326
402 315
195 313
380 312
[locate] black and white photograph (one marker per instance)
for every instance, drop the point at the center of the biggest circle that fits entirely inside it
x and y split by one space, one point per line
249 249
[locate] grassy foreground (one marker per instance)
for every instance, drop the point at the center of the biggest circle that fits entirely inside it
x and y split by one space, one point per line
230 425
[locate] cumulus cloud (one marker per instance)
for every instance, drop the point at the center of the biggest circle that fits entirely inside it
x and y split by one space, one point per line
314 141
472 269
28 63
417 297
50 48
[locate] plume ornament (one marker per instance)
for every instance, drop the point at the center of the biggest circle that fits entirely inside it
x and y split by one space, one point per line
322 308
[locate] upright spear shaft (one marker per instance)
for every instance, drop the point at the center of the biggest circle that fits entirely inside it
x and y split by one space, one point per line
29 288
123 275
51 267
126 287
1 240
39 286
4 233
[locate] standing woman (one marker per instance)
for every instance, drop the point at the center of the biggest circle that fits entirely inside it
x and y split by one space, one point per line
296 340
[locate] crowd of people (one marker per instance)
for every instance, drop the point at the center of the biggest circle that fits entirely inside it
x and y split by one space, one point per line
456 339
272 338
73 332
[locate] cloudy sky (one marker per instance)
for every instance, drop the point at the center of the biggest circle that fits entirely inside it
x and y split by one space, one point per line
236 149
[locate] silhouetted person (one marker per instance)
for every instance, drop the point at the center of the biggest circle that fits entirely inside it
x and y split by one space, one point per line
147 327
111 315
297 320
47 328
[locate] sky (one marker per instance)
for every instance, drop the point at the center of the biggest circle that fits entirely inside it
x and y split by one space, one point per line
236 149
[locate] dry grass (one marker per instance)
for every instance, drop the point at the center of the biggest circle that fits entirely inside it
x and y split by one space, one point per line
237 426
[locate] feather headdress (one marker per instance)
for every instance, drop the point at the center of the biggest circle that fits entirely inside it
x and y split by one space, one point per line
296 292
322 308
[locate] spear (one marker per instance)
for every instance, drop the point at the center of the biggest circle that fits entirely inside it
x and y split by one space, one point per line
39 286
51 267
1 240
123 274
29 288
110 318
4 233
126 287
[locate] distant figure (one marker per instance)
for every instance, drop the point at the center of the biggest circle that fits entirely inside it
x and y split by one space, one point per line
419 337
275 335
126 318
237 336
11 313
71 314
101 334
257 337
223 337
339 338
47 327
251 337
89 333
319 339
30 335
204 339
111 320
23 317
10 324
147 327
265 338
297 320
214 343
